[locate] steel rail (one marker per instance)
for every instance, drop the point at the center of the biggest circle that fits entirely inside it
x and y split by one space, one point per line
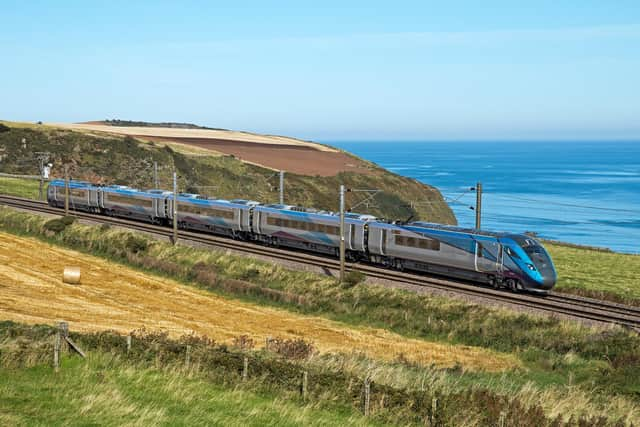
585 308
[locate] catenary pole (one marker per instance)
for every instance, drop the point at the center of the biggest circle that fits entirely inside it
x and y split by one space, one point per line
175 208
342 233
41 178
66 190
282 187
478 204
155 175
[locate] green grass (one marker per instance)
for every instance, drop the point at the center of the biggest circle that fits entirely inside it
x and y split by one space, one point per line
603 364
20 187
104 390
595 273
144 383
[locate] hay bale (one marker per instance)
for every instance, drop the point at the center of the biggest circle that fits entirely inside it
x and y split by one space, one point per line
71 275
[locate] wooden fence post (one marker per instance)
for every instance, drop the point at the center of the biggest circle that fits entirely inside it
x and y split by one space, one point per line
367 392
245 368
305 377
434 410
128 343
64 331
56 350
187 356
502 419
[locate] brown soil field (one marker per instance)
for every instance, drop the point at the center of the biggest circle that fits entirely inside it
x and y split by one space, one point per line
113 297
274 152
297 159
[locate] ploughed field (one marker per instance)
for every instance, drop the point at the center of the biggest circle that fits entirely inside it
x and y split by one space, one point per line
118 298
275 152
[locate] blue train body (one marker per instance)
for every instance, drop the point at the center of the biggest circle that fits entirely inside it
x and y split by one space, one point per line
514 261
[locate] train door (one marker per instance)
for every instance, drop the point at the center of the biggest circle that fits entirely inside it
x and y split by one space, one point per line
487 256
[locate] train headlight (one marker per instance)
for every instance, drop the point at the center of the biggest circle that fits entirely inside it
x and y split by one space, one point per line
531 267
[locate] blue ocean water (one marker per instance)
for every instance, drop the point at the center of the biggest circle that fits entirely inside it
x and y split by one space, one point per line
580 192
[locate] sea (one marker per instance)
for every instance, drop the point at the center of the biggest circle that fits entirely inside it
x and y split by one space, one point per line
586 193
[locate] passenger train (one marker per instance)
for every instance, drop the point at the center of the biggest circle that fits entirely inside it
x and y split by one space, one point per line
503 260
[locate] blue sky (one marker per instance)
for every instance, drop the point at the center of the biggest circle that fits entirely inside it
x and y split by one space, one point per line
330 70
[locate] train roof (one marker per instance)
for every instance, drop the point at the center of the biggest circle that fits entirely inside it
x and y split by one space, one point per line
72 183
303 212
457 229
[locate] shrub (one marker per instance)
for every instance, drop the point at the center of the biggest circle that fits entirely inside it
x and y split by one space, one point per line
353 278
58 225
291 349
243 342
4 128
136 244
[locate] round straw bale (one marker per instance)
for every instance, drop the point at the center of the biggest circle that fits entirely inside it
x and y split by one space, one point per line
71 275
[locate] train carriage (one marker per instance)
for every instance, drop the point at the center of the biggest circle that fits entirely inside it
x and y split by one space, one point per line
231 218
480 256
83 196
310 230
123 201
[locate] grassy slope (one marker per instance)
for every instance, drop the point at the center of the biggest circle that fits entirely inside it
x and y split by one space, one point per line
19 187
104 390
566 367
597 273
127 161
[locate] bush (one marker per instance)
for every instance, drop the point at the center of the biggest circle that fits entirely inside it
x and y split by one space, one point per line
136 244
353 278
4 128
291 349
58 225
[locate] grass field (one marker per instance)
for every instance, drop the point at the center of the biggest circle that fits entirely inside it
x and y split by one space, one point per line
606 275
567 368
123 300
140 383
20 187
104 390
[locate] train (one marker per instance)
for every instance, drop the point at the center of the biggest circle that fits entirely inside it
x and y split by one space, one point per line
517 262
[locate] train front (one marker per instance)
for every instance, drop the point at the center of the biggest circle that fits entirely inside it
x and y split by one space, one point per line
538 271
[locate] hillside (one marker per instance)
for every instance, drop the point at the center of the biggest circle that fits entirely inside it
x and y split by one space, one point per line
206 164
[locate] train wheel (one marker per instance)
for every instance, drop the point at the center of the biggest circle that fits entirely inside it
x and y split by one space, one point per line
512 285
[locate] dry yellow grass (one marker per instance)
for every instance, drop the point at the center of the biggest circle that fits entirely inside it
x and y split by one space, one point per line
192 133
115 297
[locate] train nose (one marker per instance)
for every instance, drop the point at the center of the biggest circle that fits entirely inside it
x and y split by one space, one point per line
548 280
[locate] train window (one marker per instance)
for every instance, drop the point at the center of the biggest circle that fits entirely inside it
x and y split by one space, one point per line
78 193
353 234
511 252
114 198
205 211
416 242
479 249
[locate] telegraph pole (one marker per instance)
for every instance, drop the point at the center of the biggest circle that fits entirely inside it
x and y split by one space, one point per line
155 175
66 189
478 204
42 158
175 208
282 187
342 234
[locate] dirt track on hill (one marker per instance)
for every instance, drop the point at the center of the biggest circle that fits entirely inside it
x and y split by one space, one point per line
117 298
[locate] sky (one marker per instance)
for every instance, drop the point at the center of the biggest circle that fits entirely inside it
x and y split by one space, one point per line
330 70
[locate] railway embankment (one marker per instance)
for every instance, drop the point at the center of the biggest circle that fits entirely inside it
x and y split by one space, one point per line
570 369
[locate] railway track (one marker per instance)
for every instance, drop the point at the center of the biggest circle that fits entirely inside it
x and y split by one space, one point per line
580 307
